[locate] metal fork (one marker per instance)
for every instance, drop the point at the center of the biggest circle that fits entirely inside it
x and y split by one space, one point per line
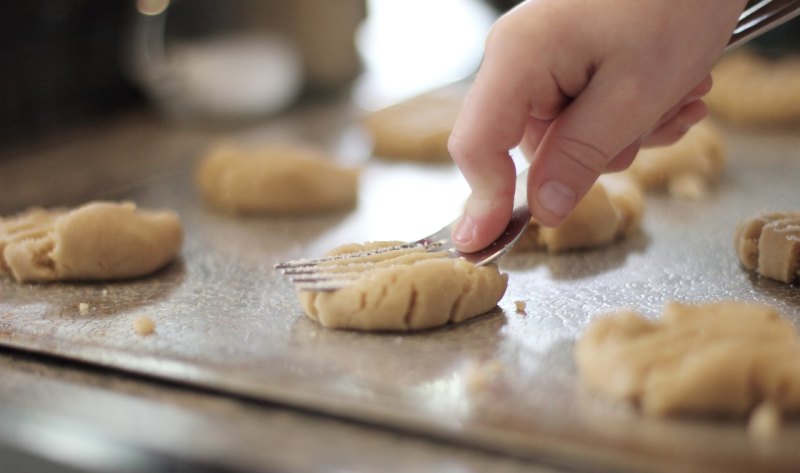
330 273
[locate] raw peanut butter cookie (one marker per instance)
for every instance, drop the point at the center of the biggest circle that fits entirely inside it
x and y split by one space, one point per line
279 179
750 90
404 291
686 168
97 241
611 210
416 129
717 358
770 245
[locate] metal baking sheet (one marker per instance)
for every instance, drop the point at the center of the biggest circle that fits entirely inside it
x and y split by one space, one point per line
226 321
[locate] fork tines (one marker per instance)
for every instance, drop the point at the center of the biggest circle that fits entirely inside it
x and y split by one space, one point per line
329 273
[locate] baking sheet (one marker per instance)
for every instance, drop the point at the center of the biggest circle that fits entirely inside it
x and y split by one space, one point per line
225 320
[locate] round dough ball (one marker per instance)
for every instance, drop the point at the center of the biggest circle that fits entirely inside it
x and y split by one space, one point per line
685 168
611 210
412 290
750 90
770 245
416 129
279 179
97 241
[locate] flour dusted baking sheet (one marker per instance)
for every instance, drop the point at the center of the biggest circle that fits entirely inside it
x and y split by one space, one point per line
506 381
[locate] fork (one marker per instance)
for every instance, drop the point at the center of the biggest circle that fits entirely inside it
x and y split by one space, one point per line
330 273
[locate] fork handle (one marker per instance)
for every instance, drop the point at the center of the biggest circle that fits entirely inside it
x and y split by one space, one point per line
763 16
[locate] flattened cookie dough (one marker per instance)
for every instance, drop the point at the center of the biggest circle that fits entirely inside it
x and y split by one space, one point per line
412 290
279 179
750 90
770 245
716 358
97 241
416 129
686 168
611 210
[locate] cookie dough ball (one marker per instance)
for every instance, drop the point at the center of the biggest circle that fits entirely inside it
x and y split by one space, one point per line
409 290
416 129
280 179
685 168
97 241
750 90
611 210
716 358
770 245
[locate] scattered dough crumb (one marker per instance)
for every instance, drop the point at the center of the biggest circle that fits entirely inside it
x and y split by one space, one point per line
279 179
610 211
105 292
520 306
765 421
83 308
144 325
686 168
716 358
769 244
404 290
97 241
478 376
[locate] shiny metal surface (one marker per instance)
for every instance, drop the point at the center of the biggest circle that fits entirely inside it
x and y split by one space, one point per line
506 381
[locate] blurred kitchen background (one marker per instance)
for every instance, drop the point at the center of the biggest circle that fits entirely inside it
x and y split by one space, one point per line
72 62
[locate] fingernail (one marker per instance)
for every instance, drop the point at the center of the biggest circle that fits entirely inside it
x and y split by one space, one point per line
556 198
465 230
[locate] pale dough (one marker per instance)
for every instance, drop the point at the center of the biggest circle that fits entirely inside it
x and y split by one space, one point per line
686 168
750 90
416 129
276 179
611 210
770 244
410 291
715 358
97 241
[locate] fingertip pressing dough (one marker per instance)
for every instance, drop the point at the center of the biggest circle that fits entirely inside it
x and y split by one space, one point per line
411 290
416 129
277 179
769 244
611 210
715 358
686 168
751 90
97 241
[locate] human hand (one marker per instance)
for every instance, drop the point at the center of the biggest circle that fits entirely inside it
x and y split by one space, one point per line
579 85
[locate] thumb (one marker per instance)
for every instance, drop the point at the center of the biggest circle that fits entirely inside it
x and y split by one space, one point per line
602 125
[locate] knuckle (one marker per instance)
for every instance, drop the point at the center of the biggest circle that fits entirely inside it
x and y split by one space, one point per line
583 154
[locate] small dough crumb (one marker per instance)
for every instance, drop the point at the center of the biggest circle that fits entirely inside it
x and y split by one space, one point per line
715 358
144 325
404 290
83 308
610 211
765 421
478 376
279 179
687 168
520 306
769 244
